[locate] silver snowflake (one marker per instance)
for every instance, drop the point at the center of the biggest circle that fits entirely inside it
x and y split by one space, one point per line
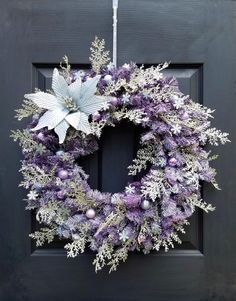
130 189
116 198
32 195
124 235
203 138
176 129
178 102
126 98
106 106
161 161
110 66
126 66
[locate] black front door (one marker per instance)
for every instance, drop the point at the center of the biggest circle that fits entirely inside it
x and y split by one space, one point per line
198 37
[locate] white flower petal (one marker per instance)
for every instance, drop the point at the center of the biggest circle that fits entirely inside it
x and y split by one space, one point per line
73 119
88 89
61 130
44 100
59 85
74 90
51 119
94 104
84 125
79 121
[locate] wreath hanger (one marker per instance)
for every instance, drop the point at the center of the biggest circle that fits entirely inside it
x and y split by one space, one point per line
115 21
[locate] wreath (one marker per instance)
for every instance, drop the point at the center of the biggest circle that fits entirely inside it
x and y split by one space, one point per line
66 125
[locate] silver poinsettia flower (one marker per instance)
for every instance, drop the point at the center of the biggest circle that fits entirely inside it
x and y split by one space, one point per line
71 105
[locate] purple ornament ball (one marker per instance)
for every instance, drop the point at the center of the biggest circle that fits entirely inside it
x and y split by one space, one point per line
61 194
96 116
40 136
114 101
172 162
132 200
184 116
141 238
63 174
90 213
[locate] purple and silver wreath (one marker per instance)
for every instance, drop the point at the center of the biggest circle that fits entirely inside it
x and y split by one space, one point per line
66 125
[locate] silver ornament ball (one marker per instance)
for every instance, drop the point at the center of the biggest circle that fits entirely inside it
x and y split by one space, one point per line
145 204
108 78
37 187
63 174
60 153
35 117
90 213
75 236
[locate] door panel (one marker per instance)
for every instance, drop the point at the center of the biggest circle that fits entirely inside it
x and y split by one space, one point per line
198 38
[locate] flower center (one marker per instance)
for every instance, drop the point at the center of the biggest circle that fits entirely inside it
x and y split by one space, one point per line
70 105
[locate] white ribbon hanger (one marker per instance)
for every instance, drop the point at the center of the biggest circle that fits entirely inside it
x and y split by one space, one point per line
115 8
